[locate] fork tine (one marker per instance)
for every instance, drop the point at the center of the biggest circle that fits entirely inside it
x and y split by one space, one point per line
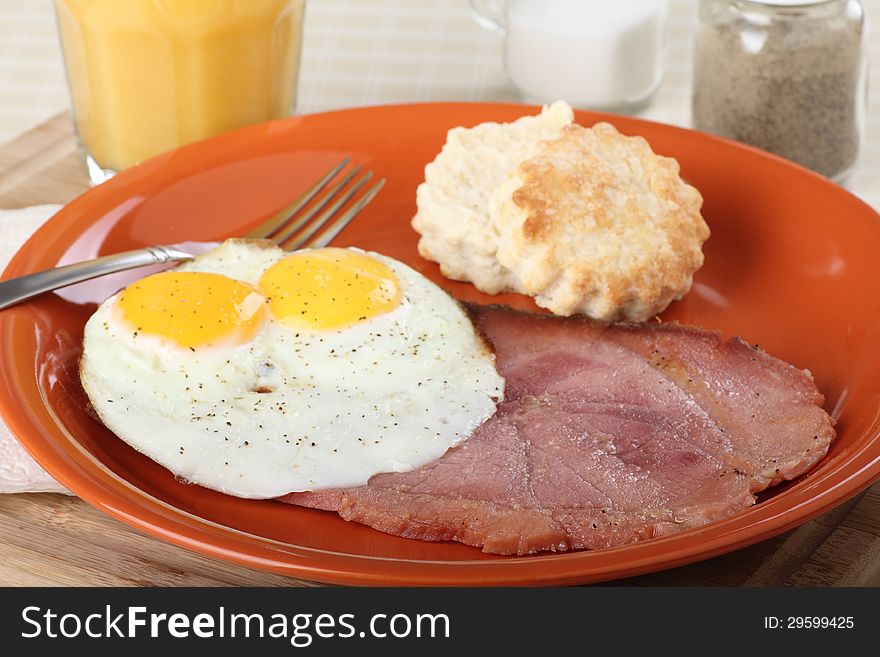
277 221
296 224
325 216
347 216
308 234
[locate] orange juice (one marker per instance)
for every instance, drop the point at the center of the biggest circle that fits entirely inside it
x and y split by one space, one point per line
146 76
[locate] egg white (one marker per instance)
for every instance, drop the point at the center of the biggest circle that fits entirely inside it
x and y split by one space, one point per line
295 410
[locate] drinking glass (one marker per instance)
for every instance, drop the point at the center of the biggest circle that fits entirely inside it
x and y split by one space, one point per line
146 76
595 54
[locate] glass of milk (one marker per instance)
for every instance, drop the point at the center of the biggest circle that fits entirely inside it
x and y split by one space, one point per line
594 54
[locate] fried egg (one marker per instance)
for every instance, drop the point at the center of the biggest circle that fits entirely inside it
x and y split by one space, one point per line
257 372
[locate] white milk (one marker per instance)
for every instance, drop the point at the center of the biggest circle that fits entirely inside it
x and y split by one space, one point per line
598 54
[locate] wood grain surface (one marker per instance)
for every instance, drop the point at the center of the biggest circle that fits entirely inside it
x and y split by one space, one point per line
48 539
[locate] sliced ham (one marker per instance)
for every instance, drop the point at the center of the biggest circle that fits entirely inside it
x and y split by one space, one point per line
607 436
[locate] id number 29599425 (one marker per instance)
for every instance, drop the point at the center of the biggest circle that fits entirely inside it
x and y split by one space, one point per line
808 622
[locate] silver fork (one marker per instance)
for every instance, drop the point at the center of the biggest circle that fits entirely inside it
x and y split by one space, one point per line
293 227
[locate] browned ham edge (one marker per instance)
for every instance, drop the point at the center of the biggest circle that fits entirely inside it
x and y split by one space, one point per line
608 435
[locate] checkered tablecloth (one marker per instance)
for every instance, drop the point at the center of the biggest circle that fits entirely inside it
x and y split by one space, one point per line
366 52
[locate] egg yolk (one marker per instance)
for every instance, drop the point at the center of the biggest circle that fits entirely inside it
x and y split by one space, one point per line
194 309
329 288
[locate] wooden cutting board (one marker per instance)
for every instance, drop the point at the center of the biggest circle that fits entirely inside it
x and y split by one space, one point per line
48 539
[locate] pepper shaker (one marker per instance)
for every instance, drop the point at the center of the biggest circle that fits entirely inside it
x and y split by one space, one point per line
787 76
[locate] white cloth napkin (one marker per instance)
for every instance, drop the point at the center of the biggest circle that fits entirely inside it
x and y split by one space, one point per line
19 473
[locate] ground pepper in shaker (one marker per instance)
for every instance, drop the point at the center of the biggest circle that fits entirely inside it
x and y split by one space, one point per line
787 76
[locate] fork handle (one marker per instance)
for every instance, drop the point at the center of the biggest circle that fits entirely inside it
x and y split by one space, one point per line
22 288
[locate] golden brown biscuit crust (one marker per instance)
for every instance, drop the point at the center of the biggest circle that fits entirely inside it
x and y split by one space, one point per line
452 216
597 223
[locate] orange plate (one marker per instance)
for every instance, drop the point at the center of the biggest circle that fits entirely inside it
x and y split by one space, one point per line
793 264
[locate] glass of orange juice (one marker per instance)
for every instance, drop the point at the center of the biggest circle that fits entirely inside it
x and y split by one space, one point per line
146 76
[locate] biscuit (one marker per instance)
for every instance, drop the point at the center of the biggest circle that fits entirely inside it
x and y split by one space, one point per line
596 223
453 202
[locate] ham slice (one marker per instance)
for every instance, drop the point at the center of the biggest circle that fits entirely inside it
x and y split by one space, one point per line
608 435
